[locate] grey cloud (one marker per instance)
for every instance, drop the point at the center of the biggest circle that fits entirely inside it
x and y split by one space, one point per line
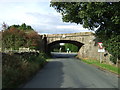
46 18
54 30
48 22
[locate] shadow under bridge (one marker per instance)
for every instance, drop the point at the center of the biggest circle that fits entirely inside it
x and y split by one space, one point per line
76 43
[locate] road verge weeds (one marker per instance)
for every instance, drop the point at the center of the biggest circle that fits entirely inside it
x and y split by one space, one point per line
103 66
18 68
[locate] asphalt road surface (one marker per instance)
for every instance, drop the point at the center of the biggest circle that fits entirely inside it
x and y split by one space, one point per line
71 73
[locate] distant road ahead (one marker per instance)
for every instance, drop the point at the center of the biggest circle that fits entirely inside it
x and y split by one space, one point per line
63 54
71 73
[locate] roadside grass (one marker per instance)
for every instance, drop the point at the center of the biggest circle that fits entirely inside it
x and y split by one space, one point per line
108 67
19 68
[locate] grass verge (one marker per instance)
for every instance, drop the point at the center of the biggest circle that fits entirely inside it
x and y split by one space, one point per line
18 68
108 67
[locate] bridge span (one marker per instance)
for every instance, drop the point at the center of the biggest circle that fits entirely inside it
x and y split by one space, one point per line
85 41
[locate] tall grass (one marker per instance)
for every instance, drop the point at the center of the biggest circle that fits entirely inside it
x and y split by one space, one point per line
17 68
102 65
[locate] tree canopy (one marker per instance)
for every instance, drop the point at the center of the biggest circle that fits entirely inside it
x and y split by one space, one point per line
13 38
17 36
23 27
72 47
105 16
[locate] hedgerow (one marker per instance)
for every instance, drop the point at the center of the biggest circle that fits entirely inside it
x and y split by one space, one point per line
18 68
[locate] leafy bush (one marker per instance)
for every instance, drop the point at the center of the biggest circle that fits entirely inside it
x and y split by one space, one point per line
113 59
14 65
14 38
112 46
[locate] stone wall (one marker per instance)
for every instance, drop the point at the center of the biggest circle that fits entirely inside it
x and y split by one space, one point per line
90 50
43 43
82 37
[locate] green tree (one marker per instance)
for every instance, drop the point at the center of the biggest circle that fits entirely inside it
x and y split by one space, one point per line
33 40
14 26
72 47
55 48
23 27
29 28
105 16
13 38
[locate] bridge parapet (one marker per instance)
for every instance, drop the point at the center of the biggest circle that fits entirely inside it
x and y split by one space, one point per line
70 34
82 37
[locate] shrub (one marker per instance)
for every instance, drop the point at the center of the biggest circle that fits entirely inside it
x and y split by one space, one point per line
14 65
113 59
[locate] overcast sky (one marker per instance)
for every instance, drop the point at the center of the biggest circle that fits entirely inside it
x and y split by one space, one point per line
38 14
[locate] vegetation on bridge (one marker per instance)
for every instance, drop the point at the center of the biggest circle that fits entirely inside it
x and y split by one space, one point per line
92 15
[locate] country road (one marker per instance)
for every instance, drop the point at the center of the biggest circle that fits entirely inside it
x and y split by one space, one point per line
71 73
